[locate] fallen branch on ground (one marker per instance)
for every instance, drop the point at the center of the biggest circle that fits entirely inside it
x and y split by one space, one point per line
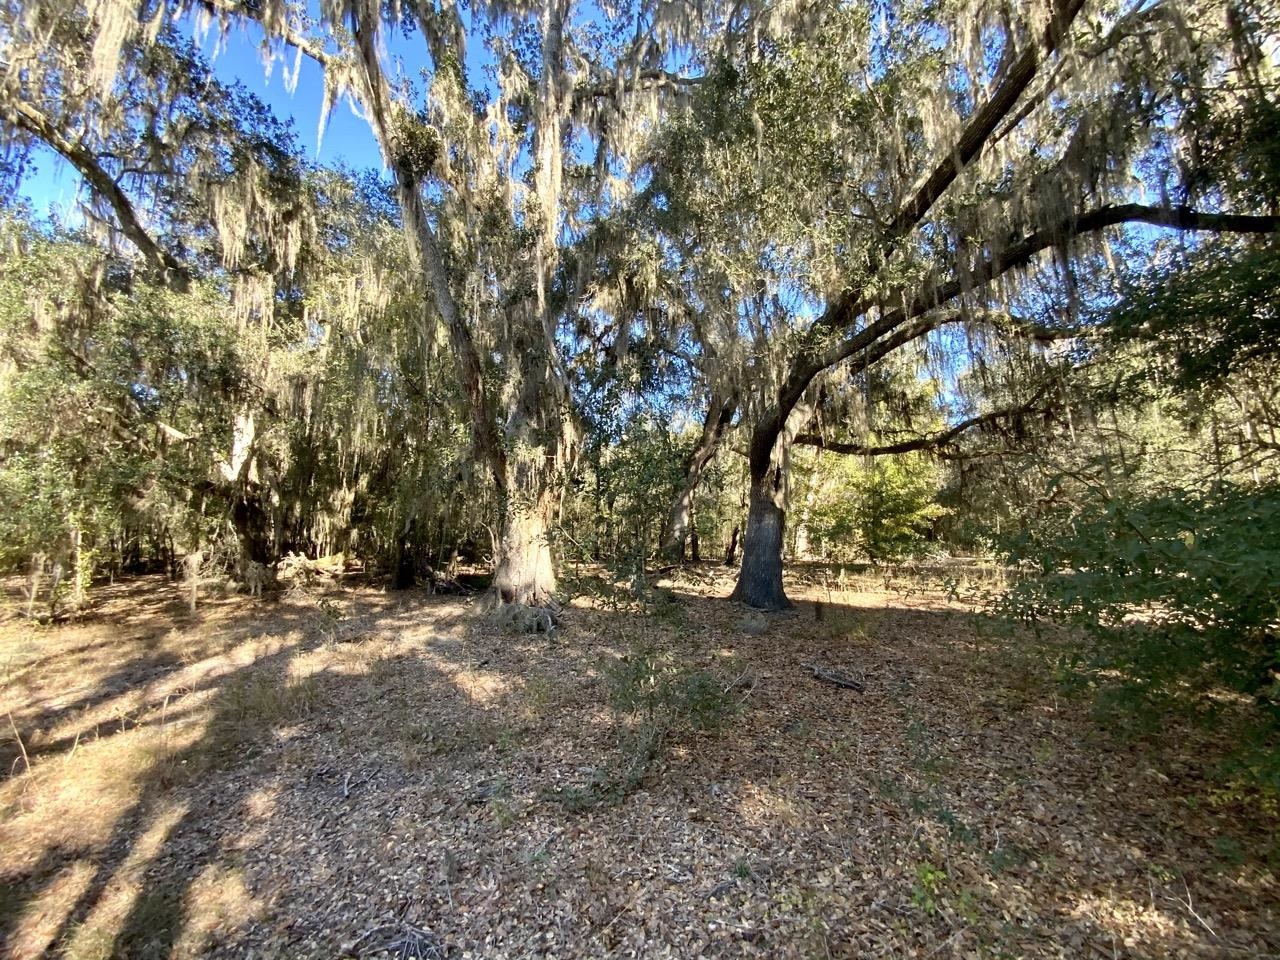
840 679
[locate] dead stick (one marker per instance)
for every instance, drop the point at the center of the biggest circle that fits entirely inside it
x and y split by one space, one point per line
26 761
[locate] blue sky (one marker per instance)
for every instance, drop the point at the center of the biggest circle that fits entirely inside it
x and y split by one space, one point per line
52 186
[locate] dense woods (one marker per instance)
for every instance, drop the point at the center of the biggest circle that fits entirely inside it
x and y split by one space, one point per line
649 287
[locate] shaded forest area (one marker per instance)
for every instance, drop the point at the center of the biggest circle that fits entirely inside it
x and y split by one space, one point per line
744 479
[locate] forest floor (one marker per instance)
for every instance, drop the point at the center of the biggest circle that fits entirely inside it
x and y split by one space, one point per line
368 773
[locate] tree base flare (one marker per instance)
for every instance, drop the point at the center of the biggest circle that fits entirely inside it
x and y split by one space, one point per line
519 617
770 600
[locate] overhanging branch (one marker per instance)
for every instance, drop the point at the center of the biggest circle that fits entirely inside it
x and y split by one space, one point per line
983 123
936 442
1020 254
642 81
280 31
160 261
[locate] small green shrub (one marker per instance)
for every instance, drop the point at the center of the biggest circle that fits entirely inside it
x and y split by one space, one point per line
652 697
927 889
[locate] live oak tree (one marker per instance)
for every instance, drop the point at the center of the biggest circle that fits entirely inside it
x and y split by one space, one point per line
124 406
906 171
777 197
222 232
189 174
495 179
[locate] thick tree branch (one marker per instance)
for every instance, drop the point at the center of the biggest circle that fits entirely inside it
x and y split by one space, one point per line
981 126
160 261
983 123
847 308
1020 254
891 329
935 442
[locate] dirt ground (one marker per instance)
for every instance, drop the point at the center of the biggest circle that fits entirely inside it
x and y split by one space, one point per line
369 773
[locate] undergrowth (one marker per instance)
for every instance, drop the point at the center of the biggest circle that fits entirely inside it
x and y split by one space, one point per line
652 699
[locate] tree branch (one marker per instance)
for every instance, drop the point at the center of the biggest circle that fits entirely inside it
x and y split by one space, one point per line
890 330
280 31
644 80
935 441
1024 251
160 261
983 123
850 305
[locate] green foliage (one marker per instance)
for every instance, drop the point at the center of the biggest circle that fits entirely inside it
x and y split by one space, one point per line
926 890
1177 597
100 399
124 403
896 503
629 480
882 509
1204 318
648 686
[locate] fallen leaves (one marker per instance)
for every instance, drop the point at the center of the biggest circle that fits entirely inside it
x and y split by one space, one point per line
938 813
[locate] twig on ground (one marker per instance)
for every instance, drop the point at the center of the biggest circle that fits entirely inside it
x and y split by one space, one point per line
347 783
939 948
835 676
1192 910
402 939
26 761
743 681
625 907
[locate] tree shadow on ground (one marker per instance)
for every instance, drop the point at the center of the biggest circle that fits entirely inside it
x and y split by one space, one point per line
185 725
407 774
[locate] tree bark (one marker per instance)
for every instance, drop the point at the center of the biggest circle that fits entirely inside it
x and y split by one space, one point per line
250 521
404 573
731 551
760 579
675 530
524 572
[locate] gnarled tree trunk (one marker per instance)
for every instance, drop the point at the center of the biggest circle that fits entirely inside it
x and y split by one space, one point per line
524 572
540 443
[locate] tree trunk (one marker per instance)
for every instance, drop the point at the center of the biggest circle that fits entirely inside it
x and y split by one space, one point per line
731 551
675 530
542 439
760 579
250 521
404 572
524 572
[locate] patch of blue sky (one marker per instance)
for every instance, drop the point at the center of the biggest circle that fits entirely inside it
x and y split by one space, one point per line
239 56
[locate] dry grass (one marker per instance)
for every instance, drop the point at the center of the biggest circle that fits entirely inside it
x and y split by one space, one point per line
265 780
